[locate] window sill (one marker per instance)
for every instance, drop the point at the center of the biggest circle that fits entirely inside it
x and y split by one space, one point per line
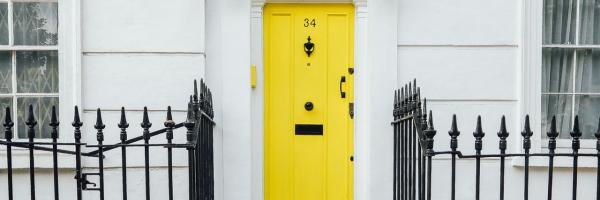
43 159
559 162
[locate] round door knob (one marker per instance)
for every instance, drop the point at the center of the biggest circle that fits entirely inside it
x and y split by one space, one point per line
308 106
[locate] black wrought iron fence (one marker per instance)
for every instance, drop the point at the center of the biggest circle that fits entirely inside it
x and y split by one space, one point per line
199 146
414 149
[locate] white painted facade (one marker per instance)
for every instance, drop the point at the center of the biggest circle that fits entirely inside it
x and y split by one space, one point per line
470 57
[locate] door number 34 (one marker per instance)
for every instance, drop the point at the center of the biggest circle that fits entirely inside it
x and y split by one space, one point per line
310 22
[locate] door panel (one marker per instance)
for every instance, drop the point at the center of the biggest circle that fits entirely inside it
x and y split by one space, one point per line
308 166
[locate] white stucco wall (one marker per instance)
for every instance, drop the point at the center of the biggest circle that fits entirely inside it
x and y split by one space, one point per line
467 57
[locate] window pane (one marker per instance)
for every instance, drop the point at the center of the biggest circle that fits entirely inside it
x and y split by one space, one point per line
590 22
3 24
588 72
559 21
5 72
5 102
557 70
42 111
35 23
37 72
559 106
588 109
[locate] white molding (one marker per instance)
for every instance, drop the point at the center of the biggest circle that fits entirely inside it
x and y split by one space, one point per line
531 67
257 55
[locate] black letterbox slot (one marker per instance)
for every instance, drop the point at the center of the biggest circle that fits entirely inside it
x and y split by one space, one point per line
309 129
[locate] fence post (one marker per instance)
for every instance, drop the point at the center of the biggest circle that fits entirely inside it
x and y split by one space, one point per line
527 133
100 137
575 134
8 134
123 125
146 126
552 134
77 133
31 122
169 124
429 133
54 134
189 125
502 134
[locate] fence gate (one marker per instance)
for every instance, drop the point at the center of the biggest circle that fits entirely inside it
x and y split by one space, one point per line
413 150
199 146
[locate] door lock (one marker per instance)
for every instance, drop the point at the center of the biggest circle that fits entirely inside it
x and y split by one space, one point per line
308 106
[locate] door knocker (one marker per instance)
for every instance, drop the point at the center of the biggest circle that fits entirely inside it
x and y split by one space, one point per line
309 47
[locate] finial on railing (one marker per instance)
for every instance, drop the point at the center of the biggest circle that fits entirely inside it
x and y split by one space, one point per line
77 123
478 134
123 125
410 97
99 126
424 111
31 122
54 123
429 134
396 110
196 90
454 133
401 104
552 134
169 123
527 133
146 124
502 134
597 134
8 124
576 134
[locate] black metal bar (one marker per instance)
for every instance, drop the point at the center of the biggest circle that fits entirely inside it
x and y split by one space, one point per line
479 134
8 134
552 134
31 122
146 134
54 134
123 125
395 114
527 133
429 133
502 134
190 125
575 144
454 133
100 137
169 124
77 133
404 145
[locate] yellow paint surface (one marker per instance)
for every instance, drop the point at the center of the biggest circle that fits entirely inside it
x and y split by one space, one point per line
308 167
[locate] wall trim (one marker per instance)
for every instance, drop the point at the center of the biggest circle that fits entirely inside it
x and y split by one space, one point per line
257 55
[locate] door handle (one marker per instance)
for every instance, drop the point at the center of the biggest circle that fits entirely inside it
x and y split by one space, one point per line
342 80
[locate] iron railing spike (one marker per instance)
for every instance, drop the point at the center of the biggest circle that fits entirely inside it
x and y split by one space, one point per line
76 119
30 117
123 121
99 124
145 120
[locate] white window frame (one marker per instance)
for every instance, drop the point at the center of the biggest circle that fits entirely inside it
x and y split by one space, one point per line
69 62
531 90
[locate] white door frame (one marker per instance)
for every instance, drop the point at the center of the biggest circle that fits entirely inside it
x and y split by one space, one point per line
257 110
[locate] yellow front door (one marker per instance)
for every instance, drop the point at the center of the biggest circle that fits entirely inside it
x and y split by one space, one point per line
308 98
